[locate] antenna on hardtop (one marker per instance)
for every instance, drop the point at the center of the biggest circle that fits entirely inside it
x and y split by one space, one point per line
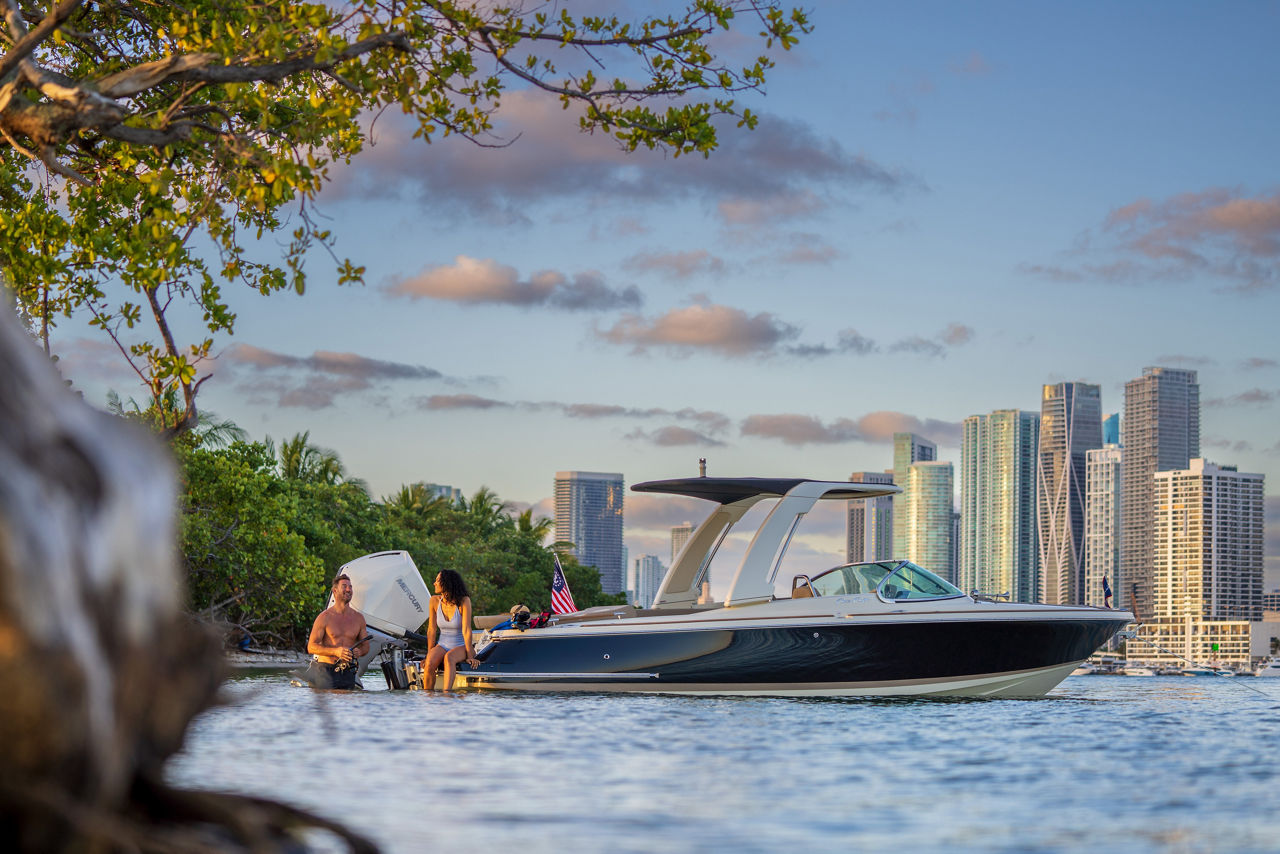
702 466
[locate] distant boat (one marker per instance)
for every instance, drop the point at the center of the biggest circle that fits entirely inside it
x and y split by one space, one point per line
1137 670
1269 667
1086 669
1205 670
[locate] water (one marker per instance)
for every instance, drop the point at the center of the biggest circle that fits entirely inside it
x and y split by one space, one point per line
1102 764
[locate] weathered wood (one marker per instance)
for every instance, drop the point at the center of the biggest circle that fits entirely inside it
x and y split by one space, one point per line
103 669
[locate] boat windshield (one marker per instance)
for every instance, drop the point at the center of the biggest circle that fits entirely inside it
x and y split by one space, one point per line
895 580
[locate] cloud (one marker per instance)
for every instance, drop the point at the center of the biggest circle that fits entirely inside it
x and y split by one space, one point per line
1258 363
1252 397
956 334
974 63
761 211
707 421
798 247
648 512
1235 446
550 160
852 341
1215 234
485 281
729 331
702 326
918 345
94 359
672 436
1186 361
875 427
311 382
458 401
679 265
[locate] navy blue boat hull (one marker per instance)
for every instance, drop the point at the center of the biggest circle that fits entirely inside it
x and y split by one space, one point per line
839 654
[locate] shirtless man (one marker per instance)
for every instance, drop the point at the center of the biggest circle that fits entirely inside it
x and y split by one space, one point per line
338 630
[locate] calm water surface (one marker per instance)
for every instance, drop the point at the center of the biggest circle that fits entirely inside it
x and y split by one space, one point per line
1105 763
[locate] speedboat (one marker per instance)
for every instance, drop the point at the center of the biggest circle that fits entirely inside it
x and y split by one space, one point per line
1137 670
1207 670
878 629
1269 667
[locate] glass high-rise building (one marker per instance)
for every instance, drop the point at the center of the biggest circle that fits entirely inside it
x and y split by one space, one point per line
869 522
1070 427
589 515
928 516
908 448
1160 432
643 577
999 454
1101 522
1111 429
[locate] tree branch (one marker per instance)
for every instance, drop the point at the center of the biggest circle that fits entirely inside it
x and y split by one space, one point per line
27 42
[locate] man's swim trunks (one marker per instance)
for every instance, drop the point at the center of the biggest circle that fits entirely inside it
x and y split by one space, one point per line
343 679
320 675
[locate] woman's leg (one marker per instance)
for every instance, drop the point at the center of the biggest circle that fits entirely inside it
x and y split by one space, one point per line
451 659
431 665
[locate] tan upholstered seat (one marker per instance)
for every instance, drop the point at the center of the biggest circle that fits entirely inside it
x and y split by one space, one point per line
801 588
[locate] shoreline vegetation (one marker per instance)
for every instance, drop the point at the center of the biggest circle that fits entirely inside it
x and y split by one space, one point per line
263 531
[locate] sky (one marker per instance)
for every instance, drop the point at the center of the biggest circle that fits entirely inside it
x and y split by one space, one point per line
944 207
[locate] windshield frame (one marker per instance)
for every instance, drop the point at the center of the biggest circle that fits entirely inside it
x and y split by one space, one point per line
898 567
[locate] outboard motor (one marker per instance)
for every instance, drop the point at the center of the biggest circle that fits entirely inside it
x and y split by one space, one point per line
393 669
389 591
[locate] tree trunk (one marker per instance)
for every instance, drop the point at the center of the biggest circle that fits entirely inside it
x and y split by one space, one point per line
104 669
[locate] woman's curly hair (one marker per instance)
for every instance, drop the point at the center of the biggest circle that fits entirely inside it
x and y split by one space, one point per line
452 587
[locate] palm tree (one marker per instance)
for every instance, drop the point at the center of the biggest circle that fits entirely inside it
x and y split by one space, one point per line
162 411
300 460
415 498
487 511
538 530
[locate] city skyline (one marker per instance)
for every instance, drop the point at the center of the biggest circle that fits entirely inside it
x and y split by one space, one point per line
979 211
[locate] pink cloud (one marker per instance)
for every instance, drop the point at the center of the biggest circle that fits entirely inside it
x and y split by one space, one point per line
480 281
703 326
875 427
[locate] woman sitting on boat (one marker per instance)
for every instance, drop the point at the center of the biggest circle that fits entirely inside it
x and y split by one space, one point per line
450 616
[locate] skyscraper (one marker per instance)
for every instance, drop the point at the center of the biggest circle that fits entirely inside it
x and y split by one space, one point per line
908 448
1111 429
1206 574
1160 432
589 515
643 577
680 535
1207 543
998 537
928 513
1070 426
869 522
1101 521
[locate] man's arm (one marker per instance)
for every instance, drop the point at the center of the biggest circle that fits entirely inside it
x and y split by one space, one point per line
363 647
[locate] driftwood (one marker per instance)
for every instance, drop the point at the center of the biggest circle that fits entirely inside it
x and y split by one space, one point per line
103 669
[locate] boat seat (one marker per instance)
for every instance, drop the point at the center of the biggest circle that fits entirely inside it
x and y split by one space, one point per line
484 622
801 587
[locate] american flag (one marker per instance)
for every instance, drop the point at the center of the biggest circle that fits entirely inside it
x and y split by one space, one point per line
561 598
